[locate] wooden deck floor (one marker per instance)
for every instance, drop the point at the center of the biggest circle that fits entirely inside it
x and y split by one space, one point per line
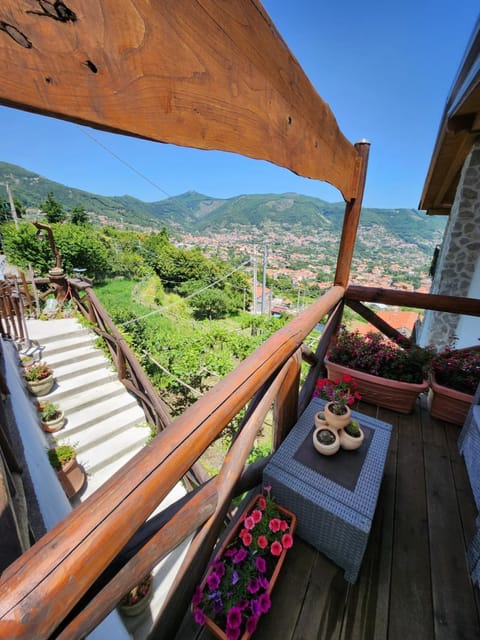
414 583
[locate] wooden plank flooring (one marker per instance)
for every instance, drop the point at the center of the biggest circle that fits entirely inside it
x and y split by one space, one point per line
414 581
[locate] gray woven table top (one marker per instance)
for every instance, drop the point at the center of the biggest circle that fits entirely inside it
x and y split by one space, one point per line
359 494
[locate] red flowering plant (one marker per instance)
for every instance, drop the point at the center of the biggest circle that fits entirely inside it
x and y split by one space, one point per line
374 354
458 369
236 590
341 393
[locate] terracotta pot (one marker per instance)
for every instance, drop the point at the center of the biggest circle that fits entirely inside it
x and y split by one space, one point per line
72 477
136 609
326 449
349 442
391 394
40 387
334 420
272 577
50 426
448 404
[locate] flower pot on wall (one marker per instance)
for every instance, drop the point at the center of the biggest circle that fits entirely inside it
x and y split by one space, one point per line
448 404
40 387
55 424
138 598
391 394
72 477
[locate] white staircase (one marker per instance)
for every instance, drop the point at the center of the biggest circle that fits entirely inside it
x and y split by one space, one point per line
103 420
106 425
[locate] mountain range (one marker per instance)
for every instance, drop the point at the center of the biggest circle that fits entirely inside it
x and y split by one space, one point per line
193 212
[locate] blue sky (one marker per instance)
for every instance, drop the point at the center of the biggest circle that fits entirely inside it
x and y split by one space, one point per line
385 69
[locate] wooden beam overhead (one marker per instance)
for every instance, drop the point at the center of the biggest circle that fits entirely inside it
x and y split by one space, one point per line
210 74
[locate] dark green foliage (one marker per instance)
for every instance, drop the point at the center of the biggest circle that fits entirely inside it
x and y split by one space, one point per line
52 209
78 215
59 456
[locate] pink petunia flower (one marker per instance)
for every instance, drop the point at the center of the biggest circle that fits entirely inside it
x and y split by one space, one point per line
262 542
276 548
287 541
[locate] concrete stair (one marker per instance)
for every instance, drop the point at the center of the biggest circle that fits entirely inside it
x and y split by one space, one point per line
105 423
103 420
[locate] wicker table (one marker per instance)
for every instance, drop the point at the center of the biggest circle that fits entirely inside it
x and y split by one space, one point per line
334 497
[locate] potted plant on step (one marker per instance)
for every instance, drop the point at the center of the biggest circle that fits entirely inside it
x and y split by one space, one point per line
352 436
52 416
454 376
138 598
63 459
236 590
387 374
39 378
340 395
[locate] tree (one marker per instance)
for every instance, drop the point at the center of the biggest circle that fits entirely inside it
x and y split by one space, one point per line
79 215
52 209
211 304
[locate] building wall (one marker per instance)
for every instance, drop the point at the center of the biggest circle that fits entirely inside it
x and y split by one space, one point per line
458 266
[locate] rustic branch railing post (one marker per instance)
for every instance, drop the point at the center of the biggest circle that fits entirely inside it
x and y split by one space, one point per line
285 408
351 218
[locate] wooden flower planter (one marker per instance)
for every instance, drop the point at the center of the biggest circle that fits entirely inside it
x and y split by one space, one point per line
273 576
448 404
390 394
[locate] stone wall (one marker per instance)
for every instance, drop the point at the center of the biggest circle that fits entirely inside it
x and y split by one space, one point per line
459 251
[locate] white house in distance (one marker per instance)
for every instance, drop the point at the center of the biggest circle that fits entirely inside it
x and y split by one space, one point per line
452 188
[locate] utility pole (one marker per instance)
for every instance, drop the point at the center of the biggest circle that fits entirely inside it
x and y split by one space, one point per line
264 277
12 205
254 262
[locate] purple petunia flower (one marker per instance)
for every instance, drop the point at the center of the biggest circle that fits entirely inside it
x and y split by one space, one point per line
235 577
213 581
264 583
232 633
253 586
255 607
251 625
234 617
199 616
265 602
260 564
239 556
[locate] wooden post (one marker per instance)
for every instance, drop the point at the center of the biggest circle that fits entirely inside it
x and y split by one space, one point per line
286 403
352 217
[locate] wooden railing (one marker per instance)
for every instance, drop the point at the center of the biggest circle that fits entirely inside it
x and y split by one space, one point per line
87 541
128 368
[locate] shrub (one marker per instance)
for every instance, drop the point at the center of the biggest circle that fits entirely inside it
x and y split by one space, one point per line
458 369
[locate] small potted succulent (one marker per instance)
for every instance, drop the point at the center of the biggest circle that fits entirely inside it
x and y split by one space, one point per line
352 436
326 441
138 598
63 459
52 416
39 378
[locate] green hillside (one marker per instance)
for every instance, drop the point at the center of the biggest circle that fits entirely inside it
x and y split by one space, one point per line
195 212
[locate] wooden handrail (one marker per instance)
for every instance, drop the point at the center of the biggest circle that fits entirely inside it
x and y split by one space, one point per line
129 370
434 302
198 554
185 522
85 542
